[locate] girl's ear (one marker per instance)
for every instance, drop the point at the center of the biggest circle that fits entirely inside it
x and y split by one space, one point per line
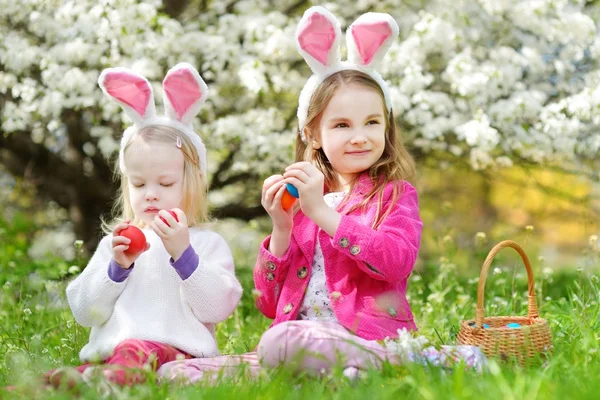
310 138
318 37
132 91
184 91
370 37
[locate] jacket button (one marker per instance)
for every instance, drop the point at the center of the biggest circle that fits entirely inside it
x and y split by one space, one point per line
392 311
354 250
271 265
344 242
270 276
302 273
288 307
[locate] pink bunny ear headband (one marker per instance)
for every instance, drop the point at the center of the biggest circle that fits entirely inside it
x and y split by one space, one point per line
184 91
318 37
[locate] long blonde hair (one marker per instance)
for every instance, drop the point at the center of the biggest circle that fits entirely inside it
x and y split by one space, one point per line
394 165
194 203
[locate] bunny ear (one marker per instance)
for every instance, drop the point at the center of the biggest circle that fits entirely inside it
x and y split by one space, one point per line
130 90
370 37
184 91
318 38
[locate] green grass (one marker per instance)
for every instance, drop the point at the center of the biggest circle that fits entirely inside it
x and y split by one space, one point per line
38 333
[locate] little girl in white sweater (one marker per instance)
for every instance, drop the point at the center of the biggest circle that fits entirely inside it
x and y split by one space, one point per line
161 302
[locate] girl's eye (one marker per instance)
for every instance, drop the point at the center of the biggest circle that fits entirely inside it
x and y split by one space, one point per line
373 122
138 185
166 184
341 125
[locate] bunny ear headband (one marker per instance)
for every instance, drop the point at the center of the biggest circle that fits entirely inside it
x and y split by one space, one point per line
318 37
184 91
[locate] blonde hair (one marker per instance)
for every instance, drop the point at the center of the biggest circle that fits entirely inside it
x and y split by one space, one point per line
395 164
195 190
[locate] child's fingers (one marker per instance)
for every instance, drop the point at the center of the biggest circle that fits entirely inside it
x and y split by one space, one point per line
298 165
301 186
156 229
279 195
299 174
122 248
117 240
164 215
180 216
270 181
119 227
161 225
269 196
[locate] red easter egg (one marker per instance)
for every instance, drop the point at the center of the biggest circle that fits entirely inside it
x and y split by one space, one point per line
287 200
138 240
174 216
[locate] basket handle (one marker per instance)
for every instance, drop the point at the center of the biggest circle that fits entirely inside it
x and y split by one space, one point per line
480 312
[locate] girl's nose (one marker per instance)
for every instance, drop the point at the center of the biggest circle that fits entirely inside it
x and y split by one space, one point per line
358 138
151 195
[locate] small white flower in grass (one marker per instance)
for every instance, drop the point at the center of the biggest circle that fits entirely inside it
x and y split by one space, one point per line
497 271
73 269
406 346
27 311
256 293
78 244
480 238
529 228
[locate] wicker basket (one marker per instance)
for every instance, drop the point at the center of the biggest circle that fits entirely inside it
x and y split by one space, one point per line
526 344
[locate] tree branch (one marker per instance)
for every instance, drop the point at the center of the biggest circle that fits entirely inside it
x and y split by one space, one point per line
238 211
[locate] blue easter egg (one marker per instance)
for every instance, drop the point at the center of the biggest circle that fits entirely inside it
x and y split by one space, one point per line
513 325
292 189
486 326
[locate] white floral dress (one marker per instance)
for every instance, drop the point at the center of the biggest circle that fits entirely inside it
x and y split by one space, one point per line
316 305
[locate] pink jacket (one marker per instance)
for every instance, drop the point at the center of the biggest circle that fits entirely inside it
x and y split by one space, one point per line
366 270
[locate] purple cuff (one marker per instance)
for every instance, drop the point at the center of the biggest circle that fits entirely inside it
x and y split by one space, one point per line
187 263
116 272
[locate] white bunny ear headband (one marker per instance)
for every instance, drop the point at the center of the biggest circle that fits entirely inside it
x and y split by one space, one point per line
318 37
184 91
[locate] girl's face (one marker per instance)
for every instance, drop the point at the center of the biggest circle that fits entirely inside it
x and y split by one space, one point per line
352 130
155 178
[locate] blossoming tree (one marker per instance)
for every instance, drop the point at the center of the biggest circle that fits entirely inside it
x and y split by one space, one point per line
490 82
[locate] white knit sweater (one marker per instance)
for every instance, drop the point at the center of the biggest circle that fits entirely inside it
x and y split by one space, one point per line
153 302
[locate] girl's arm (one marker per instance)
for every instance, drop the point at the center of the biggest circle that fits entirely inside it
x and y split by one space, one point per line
212 290
269 274
390 252
93 294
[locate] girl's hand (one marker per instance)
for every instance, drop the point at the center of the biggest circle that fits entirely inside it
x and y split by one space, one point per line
174 235
272 192
120 244
310 184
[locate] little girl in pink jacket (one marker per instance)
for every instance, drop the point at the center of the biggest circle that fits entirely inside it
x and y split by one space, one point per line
333 273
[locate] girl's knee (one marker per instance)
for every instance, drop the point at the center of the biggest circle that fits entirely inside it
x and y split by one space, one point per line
279 344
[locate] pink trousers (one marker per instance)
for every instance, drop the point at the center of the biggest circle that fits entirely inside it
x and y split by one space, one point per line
307 346
124 365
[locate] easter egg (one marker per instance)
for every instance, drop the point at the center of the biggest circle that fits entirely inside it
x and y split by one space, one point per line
138 240
513 325
174 216
287 200
486 326
292 189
